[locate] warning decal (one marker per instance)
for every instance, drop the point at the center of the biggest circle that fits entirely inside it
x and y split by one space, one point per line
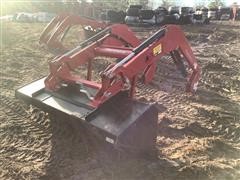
157 50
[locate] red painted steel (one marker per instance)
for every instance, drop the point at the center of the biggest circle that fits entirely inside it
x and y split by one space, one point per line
54 32
137 59
113 52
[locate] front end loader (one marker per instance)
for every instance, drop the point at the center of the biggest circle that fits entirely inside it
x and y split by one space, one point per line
108 108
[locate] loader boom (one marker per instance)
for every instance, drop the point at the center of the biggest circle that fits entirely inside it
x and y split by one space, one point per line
118 41
54 33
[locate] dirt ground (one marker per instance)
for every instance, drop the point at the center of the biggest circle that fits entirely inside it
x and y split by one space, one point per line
198 138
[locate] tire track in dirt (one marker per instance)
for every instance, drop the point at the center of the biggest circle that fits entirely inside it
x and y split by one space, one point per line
26 135
24 139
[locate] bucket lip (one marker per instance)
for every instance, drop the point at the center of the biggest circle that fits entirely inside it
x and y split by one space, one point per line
34 93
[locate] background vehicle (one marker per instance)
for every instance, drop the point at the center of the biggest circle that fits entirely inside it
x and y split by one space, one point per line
224 13
161 13
238 14
147 17
43 16
201 16
135 15
132 14
173 15
174 10
213 13
186 15
116 16
23 17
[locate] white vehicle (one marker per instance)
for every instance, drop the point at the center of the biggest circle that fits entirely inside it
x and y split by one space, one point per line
23 17
43 16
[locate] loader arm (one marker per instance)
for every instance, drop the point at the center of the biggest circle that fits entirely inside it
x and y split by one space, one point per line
111 42
120 42
168 40
57 29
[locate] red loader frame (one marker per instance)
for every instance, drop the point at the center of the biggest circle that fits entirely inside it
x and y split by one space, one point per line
57 29
137 58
